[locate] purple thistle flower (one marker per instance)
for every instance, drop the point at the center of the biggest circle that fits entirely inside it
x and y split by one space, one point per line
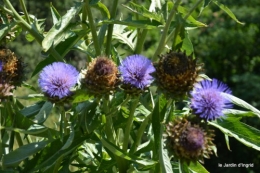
207 101
136 70
56 79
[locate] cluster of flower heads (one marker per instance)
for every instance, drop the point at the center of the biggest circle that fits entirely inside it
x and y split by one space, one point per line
11 72
175 73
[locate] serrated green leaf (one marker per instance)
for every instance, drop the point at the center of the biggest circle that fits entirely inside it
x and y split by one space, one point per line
141 10
55 14
125 37
244 133
23 152
70 139
197 168
228 11
44 112
190 19
60 26
239 102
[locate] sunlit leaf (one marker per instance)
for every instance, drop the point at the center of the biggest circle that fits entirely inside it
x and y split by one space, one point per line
44 112
141 10
60 26
197 168
125 37
239 102
244 133
55 14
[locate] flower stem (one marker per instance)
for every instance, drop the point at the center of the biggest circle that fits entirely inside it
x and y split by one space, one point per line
140 133
165 31
92 28
109 127
129 123
110 28
140 41
25 11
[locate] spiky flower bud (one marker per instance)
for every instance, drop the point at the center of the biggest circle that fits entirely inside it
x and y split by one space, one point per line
189 142
12 68
101 76
176 73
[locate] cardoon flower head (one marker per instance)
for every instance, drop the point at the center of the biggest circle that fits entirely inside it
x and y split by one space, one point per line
101 76
11 67
176 73
207 101
188 141
57 79
136 71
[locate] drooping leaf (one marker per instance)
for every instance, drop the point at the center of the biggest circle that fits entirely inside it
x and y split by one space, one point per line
190 19
144 24
23 152
239 102
33 109
60 26
228 11
103 9
244 133
44 112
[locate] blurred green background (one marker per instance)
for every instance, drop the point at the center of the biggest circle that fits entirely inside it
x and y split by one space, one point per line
229 51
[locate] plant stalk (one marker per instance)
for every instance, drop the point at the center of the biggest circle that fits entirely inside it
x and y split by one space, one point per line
110 28
25 11
129 123
140 133
92 28
165 30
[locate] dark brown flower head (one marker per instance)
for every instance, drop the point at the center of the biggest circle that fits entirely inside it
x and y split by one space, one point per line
12 68
101 76
176 73
189 142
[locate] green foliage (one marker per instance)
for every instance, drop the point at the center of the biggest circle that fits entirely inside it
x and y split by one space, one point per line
121 132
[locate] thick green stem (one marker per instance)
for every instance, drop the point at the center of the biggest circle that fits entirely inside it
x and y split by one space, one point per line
110 28
109 127
25 11
129 123
165 30
38 37
92 28
140 41
140 133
